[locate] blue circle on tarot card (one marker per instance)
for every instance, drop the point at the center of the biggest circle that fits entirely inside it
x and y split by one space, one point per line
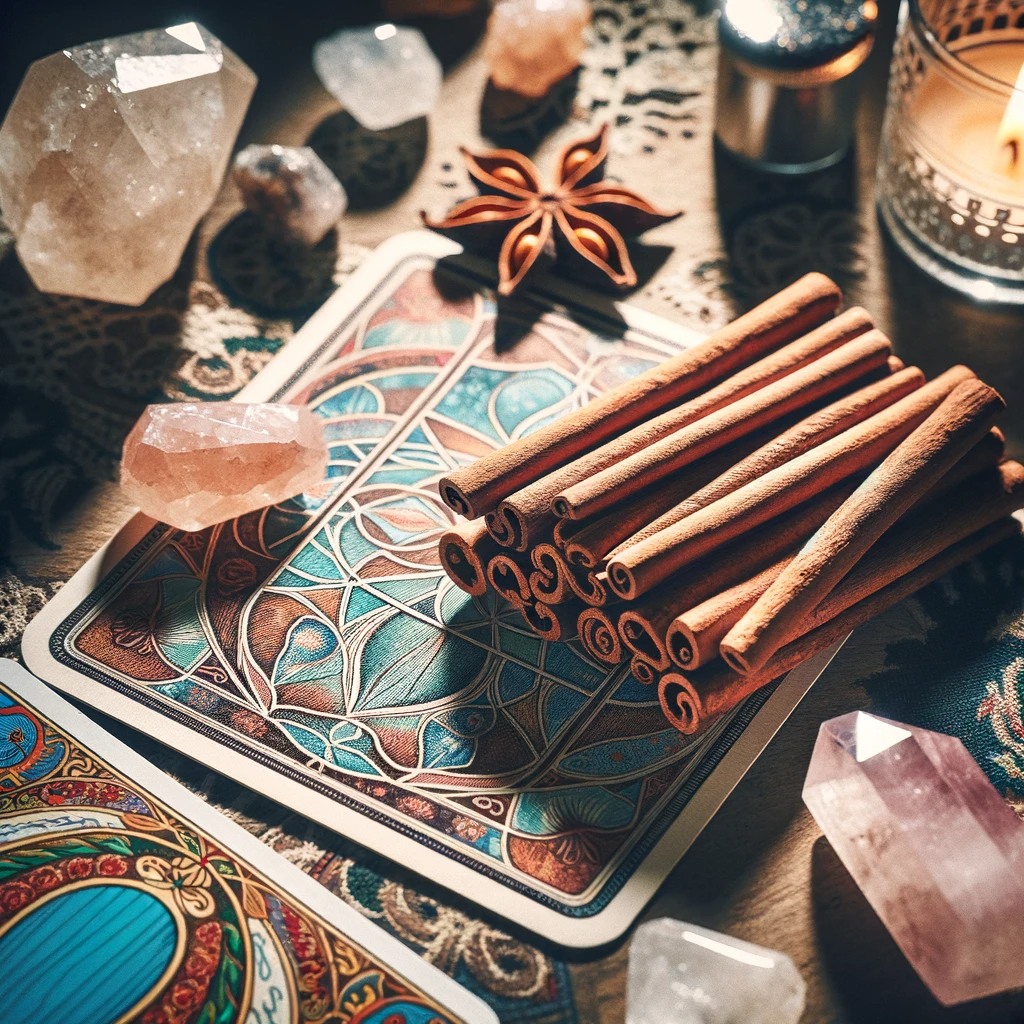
18 736
85 957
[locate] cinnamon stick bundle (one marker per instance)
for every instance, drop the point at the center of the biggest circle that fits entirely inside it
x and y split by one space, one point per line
769 404
599 634
693 637
691 699
643 626
524 516
477 489
465 550
906 474
638 568
815 429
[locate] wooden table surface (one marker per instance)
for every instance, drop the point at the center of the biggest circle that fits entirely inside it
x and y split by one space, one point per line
761 870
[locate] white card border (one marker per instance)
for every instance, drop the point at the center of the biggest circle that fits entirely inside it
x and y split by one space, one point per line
601 928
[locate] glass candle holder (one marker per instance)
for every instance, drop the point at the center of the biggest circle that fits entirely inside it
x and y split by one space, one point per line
951 162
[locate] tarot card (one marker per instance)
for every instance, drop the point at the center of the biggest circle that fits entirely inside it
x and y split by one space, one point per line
158 909
317 652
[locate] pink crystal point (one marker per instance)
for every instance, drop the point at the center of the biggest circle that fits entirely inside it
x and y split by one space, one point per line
531 44
195 464
931 844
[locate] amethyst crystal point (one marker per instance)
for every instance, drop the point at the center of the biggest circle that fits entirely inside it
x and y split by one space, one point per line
682 974
112 151
932 845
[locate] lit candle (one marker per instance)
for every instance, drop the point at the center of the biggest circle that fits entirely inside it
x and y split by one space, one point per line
1010 140
951 161
975 135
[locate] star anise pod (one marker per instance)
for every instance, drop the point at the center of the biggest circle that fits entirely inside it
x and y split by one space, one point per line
581 222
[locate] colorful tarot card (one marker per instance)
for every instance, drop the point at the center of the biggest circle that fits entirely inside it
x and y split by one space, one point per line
317 652
123 897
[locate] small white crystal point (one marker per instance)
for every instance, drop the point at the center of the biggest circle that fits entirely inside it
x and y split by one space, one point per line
291 189
383 76
193 464
112 151
935 849
683 974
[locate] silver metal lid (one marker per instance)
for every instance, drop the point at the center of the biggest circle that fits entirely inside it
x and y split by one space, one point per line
786 88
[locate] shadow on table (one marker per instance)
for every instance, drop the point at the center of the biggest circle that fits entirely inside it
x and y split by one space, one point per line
520 122
934 327
375 167
778 227
869 974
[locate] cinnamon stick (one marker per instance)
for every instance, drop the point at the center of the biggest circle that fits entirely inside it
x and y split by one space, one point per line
599 635
643 627
693 637
508 579
691 699
643 671
638 568
794 311
586 543
465 550
522 517
797 390
815 429
906 474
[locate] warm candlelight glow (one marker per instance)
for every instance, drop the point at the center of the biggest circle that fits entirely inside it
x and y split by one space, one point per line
1010 140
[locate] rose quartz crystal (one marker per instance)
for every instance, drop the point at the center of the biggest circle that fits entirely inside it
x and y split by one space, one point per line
531 44
932 845
192 465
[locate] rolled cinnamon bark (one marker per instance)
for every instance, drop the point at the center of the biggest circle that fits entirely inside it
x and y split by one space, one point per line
522 516
643 671
817 428
636 569
587 543
599 634
693 637
465 550
988 452
794 311
549 581
508 579
904 476
643 627
691 699
797 390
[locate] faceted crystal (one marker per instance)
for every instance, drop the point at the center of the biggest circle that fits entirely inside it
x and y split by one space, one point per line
382 76
935 849
112 151
682 974
531 44
192 465
291 189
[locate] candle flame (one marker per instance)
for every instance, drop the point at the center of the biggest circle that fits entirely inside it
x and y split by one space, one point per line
1010 140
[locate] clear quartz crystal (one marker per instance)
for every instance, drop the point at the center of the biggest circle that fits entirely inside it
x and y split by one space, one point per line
531 44
932 845
112 151
383 76
195 464
292 191
682 974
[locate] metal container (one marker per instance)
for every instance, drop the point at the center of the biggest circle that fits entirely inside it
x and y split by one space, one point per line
787 79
